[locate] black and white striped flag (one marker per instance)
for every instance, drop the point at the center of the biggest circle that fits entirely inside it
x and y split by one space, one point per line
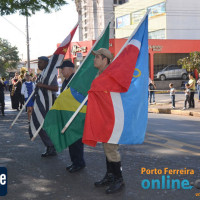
44 98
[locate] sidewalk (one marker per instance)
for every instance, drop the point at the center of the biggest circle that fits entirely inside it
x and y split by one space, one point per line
163 105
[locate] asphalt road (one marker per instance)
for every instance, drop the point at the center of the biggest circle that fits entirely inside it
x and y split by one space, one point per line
32 177
184 129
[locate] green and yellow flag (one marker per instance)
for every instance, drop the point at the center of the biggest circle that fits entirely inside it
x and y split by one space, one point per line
70 99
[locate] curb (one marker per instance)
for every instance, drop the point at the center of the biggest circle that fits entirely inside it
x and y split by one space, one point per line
175 112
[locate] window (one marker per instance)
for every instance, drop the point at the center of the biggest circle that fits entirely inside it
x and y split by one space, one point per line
123 21
157 9
159 34
119 2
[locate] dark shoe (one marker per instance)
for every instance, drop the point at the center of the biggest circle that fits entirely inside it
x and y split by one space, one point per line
76 168
50 151
116 186
68 167
107 180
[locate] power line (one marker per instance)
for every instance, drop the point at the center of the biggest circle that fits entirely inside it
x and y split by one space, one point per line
14 26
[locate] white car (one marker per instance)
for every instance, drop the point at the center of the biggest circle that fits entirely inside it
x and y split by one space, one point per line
172 72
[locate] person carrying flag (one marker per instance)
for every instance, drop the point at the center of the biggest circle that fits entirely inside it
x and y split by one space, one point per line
113 177
42 64
75 149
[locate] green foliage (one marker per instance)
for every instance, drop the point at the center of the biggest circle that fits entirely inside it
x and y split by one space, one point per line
29 7
191 63
8 56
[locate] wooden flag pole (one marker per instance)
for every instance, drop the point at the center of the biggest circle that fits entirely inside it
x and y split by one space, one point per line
46 71
74 115
21 109
86 98
36 133
87 55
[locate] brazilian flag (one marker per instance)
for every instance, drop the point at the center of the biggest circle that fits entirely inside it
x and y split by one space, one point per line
69 101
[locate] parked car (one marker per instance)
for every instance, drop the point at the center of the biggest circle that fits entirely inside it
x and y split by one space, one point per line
172 72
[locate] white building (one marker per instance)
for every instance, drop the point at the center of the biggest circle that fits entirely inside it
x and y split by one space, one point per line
94 16
168 19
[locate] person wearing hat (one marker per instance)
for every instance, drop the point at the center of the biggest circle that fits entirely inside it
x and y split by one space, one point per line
76 149
113 177
42 64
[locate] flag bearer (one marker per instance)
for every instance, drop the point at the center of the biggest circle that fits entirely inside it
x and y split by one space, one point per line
113 177
42 64
76 149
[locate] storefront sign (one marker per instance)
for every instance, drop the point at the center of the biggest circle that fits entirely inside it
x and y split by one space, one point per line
76 48
155 48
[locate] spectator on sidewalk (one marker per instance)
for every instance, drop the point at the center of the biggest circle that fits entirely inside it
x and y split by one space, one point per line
187 95
192 83
198 87
172 94
152 87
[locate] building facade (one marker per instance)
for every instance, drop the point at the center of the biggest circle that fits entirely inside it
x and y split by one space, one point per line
168 19
161 52
94 15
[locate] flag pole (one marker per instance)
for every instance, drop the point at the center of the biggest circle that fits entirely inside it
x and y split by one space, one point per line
36 133
86 98
131 35
22 109
88 53
74 115
30 96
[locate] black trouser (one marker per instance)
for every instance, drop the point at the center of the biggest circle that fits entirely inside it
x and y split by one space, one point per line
45 138
187 99
2 102
191 102
76 153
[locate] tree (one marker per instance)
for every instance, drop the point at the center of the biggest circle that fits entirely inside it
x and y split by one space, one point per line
29 7
8 56
192 62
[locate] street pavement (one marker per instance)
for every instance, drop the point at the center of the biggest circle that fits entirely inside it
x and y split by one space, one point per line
31 177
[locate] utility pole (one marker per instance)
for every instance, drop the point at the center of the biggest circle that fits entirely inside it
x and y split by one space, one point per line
27 40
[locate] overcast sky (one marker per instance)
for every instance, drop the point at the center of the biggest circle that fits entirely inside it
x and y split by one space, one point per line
45 31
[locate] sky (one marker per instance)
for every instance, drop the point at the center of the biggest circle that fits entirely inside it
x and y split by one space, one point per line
45 30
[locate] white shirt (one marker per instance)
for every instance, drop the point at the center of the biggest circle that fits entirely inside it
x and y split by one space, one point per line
24 89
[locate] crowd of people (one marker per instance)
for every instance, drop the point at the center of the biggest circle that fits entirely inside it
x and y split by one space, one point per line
18 88
191 87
